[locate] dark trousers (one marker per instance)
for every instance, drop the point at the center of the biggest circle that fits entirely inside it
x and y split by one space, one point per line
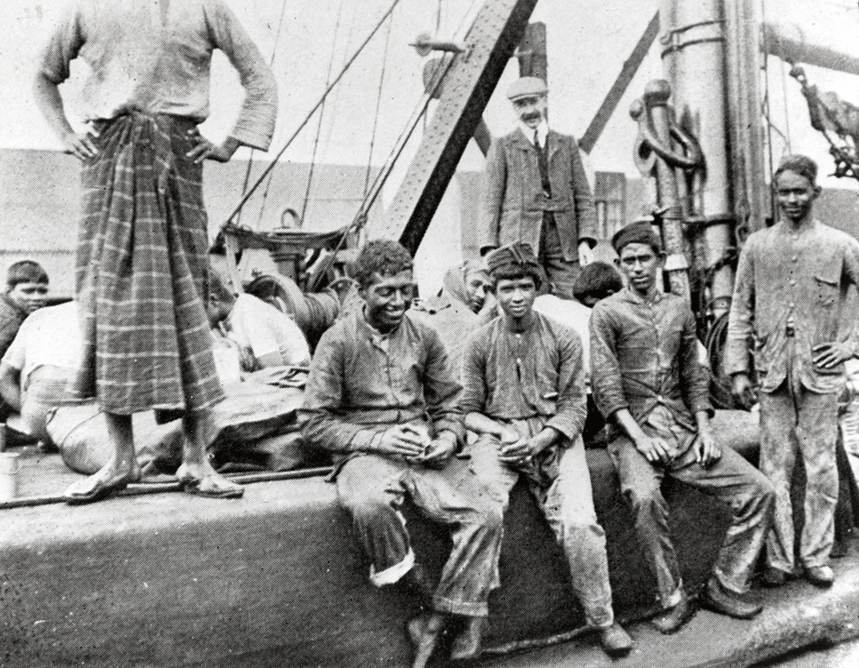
561 273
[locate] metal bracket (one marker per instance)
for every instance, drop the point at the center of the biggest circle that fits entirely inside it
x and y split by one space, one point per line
702 32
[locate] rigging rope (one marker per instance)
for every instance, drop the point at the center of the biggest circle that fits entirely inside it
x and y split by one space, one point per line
378 105
270 64
307 118
322 114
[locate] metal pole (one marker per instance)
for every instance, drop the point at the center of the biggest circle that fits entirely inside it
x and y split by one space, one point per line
656 95
694 61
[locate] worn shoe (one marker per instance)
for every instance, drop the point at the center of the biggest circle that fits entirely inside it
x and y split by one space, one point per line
820 576
717 598
773 577
671 620
468 643
615 641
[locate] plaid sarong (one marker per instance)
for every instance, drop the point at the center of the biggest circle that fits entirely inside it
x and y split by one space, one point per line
142 271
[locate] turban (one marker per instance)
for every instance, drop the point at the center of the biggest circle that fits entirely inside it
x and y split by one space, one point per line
639 232
515 257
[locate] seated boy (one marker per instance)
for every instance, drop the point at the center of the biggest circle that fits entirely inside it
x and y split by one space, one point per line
26 290
525 397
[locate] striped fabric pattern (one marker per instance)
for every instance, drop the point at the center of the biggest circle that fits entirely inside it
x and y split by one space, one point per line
142 271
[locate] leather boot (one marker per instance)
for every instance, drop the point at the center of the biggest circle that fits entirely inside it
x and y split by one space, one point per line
615 641
671 620
719 599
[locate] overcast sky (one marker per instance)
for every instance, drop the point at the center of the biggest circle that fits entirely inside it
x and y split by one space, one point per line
588 42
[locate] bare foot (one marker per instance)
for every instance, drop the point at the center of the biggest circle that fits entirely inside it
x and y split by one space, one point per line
203 480
113 477
424 632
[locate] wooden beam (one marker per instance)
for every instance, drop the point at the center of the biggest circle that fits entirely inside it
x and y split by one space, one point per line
471 79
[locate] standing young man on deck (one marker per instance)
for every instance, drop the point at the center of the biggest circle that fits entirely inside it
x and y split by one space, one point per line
535 190
791 288
142 266
383 399
524 396
648 383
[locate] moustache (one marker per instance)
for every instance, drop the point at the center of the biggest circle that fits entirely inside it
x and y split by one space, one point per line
531 117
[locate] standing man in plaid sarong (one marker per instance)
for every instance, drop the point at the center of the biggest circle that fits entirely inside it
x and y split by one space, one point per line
142 266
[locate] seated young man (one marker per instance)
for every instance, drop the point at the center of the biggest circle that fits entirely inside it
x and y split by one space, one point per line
651 388
382 398
26 291
525 398
266 337
40 363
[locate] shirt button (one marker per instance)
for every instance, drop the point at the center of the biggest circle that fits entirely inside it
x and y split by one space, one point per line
790 305
792 282
794 258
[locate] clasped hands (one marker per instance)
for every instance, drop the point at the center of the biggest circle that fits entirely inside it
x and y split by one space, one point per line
655 450
414 443
520 450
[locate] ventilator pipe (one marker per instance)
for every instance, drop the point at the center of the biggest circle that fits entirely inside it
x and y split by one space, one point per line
694 34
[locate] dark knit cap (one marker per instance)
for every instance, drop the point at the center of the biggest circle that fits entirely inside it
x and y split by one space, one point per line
639 232
516 256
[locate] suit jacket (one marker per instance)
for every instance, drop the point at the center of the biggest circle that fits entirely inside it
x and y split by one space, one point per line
512 199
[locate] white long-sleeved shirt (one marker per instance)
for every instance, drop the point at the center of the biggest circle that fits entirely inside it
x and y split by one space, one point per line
155 57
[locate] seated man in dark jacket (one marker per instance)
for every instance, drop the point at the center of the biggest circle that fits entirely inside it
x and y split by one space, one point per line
648 383
382 398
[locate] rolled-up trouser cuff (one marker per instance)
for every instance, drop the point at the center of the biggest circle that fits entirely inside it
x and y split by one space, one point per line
393 573
465 608
675 598
731 584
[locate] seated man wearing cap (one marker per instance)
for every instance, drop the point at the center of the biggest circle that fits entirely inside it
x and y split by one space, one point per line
525 397
651 388
535 191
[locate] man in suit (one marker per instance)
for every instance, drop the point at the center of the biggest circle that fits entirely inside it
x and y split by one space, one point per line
535 191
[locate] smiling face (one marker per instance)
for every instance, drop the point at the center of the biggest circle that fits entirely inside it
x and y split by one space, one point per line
387 298
641 265
531 109
516 296
29 296
795 195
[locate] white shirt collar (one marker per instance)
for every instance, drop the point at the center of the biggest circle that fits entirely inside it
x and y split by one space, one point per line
542 132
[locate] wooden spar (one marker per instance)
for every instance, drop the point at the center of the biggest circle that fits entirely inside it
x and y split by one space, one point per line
818 43
490 42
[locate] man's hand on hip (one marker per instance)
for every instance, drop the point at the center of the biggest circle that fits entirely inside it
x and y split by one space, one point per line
206 150
830 355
